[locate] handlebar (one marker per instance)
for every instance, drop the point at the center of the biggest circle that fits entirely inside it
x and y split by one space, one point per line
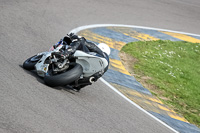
63 54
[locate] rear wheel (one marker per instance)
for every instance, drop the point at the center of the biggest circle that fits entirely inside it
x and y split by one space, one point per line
29 64
65 78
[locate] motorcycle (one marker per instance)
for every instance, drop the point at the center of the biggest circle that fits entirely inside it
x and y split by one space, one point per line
77 70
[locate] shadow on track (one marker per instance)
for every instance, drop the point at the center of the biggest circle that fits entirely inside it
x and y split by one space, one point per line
40 79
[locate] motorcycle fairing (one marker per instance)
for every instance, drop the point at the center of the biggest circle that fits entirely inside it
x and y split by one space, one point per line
91 64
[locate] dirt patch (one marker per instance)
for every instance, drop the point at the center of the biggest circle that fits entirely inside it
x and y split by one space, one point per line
128 61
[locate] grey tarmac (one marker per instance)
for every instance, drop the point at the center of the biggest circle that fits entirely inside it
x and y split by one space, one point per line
29 27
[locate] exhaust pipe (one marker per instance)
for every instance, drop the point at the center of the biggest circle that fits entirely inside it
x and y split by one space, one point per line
87 81
92 79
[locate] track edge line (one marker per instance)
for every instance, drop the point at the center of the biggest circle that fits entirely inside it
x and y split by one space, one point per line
122 95
75 30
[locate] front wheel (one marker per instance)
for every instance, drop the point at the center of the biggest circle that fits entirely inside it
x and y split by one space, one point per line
64 78
29 64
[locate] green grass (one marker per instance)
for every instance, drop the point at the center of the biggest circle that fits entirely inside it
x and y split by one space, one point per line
174 68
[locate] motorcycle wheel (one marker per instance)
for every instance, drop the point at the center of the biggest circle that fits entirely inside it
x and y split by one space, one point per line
29 64
64 78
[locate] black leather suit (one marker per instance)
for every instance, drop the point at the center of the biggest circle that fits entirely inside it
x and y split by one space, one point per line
76 43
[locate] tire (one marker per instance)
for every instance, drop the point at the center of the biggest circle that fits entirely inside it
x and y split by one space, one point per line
29 64
64 78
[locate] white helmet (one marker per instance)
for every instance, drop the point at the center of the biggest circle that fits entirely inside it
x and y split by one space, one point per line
104 47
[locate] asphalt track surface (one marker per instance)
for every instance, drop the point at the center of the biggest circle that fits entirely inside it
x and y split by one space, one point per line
26 28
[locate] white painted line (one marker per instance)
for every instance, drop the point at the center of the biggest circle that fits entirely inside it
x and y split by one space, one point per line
131 26
76 30
118 92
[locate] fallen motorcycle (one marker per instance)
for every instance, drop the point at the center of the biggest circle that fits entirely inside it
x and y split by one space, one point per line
77 70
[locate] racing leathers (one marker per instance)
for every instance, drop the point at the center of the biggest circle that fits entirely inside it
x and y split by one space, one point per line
74 42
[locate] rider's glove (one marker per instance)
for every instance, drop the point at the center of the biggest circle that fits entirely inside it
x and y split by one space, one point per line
66 54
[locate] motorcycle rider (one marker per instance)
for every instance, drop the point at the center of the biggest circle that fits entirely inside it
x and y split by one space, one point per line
72 42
